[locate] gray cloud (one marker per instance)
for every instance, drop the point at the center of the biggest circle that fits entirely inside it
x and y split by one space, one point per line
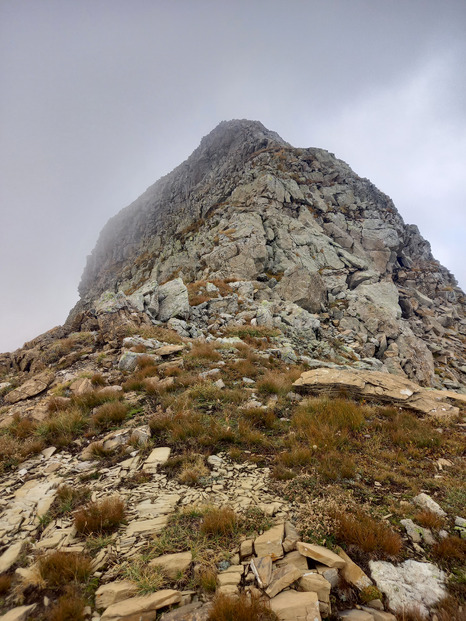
99 99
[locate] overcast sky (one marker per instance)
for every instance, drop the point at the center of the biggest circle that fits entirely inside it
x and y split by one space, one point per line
99 98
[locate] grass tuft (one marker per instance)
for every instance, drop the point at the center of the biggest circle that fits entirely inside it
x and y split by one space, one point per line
104 516
59 568
242 608
367 534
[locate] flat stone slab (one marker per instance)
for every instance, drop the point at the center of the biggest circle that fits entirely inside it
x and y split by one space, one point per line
173 565
21 613
261 567
114 592
270 542
168 350
147 527
157 457
282 578
320 554
294 558
356 615
426 502
10 556
142 608
352 573
315 583
31 387
379 387
295 606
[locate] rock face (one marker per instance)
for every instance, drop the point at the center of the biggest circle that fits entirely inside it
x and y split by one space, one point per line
318 251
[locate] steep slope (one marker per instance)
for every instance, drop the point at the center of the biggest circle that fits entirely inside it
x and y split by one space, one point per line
303 228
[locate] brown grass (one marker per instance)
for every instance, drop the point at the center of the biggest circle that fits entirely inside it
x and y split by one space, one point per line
58 404
367 534
219 522
450 551
334 466
5 583
278 384
61 428
21 428
205 351
328 423
207 579
104 516
98 379
261 418
69 607
242 608
59 568
68 499
110 414
428 519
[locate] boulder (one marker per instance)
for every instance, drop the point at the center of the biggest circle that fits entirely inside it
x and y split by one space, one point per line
31 387
304 288
426 502
21 613
282 578
173 300
378 387
352 573
409 585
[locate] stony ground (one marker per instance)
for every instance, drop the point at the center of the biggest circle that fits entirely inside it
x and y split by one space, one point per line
144 470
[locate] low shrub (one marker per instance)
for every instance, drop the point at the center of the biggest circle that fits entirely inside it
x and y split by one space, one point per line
69 607
367 534
219 522
242 608
104 516
59 568
450 551
110 414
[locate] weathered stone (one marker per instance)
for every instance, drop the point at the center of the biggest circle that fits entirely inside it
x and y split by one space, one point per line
352 573
329 573
409 585
10 556
379 615
157 457
114 592
296 606
320 554
262 569
81 386
142 608
304 288
282 577
355 615
246 548
168 350
291 537
426 502
147 527
270 542
317 584
18 614
191 612
31 387
294 558
173 300
375 386
173 565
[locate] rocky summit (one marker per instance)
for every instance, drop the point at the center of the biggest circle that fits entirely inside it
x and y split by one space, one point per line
255 411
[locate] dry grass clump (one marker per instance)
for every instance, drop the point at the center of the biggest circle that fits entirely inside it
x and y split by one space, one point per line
405 429
367 534
98 379
238 369
68 499
450 609
110 414
219 522
450 551
262 418
5 583
69 607
207 579
58 404
242 608
59 429
59 568
12 450
104 516
412 614
138 478
278 384
147 579
160 333
328 423
428 519
334 466
205 351
21 428
193 472
92 399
